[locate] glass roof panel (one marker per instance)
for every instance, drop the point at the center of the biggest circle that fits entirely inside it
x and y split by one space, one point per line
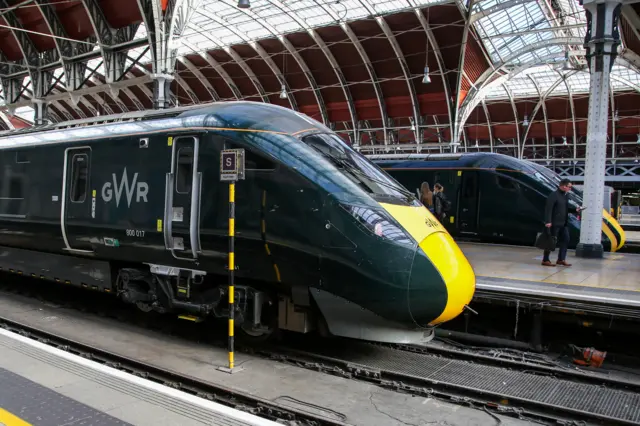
545 76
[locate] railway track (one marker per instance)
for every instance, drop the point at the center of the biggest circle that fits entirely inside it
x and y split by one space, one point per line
532 390
220 394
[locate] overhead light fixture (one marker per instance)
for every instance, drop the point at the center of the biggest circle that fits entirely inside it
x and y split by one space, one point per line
426 79
244 4
413 127
638 141
564 140
283 92
476 143
525 122
616 117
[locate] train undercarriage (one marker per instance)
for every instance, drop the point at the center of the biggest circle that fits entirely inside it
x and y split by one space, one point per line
194 295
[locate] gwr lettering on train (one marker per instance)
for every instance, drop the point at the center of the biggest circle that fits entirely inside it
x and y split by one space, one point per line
141 189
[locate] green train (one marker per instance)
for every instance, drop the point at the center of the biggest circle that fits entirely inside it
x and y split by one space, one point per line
133 205
494 198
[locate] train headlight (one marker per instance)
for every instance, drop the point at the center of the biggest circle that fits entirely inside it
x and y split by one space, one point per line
380 223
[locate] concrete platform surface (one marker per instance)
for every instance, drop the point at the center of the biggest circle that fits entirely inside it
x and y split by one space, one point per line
45 386
356 403
616 271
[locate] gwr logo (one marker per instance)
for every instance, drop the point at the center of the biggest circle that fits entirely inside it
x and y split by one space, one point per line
141 189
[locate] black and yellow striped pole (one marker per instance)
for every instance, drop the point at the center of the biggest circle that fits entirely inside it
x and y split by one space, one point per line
231 170
232 218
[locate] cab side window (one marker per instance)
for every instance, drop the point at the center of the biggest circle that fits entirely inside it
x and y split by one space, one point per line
507 184
252 161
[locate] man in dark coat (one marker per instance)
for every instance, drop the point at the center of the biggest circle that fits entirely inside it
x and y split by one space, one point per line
556 218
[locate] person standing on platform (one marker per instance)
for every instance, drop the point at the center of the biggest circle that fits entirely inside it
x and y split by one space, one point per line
426 196
440 203
556 218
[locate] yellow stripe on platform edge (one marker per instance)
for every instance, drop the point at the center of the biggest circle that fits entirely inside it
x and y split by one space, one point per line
9 419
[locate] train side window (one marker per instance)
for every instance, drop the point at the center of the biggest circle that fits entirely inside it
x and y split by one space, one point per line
79 177
506 183
184 170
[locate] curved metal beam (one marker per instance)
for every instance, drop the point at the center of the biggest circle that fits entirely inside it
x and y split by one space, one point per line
260 51
294 52
545 116
219 69
407 75
488 117
332 60
495 8
486 77
515 115
201 77
6 121
540 104
372 75
431 39
573 114
458 125
322 106
234 55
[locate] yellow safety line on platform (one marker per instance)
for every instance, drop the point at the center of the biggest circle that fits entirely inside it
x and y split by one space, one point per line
9 419
557 282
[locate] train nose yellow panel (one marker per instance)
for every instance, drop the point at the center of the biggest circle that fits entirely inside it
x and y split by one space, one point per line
456 272
443 252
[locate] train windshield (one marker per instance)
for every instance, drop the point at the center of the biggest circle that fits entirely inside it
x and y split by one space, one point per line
357 167
550 178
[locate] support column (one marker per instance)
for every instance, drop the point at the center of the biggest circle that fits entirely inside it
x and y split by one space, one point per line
40 115
602 41
165 21
162 90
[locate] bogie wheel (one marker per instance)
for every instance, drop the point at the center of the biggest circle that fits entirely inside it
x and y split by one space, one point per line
268 328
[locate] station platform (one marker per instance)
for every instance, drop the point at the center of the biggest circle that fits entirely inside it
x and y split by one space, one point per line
44 386
612 283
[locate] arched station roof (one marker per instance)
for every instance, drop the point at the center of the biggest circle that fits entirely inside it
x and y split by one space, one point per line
505 75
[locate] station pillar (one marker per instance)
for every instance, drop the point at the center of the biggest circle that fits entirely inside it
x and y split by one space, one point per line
162 90
40 112
602 41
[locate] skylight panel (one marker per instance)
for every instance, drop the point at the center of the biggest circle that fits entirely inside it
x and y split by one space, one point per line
579 82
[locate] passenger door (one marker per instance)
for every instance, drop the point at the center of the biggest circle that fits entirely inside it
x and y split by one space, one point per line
78 202
469 195
182 199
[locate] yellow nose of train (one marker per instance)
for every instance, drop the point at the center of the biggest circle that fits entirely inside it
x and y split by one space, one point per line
442 280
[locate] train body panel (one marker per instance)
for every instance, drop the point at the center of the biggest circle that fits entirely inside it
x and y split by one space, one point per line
494 197
313 235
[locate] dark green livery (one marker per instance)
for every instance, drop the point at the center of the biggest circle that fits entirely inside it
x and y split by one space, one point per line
494 197
136 207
